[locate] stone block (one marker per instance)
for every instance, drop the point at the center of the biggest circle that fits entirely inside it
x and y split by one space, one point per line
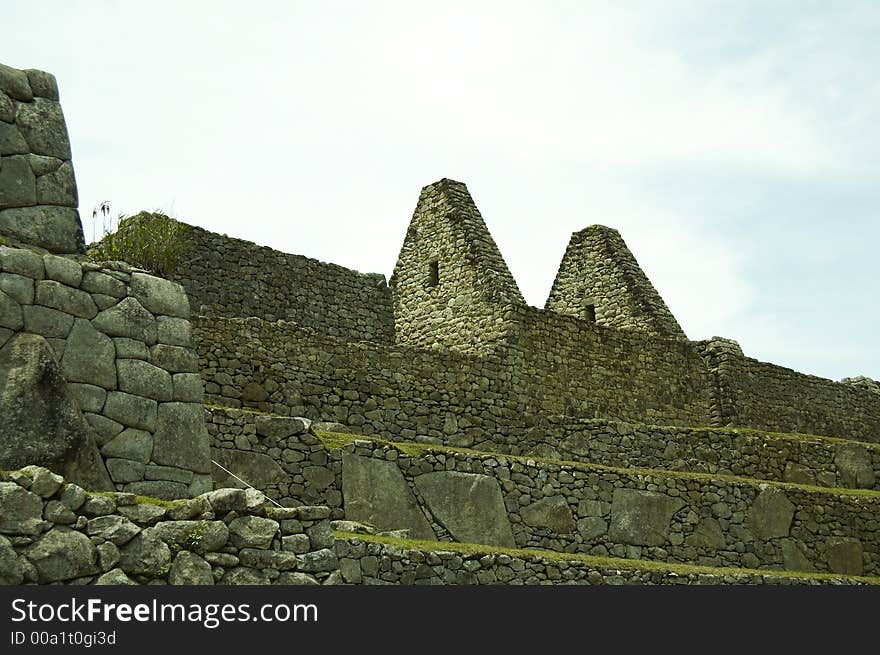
181 439
128 319
160 296
63 270
66 299
54 228
89 357
132 411
17 183
771 514
642 518
143 379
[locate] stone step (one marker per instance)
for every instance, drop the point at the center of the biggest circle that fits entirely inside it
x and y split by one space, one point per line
373 560
565 506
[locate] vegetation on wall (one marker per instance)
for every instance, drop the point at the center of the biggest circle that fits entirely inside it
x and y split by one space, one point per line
152 241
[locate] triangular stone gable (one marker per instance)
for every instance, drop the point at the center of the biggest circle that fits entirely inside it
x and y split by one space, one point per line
600 280
450 276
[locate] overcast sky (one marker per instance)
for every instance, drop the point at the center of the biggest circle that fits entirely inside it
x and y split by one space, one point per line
733 144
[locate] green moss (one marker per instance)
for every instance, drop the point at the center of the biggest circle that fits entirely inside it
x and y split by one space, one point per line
602 563
144 500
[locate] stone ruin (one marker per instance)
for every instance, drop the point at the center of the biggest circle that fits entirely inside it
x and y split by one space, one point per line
262 417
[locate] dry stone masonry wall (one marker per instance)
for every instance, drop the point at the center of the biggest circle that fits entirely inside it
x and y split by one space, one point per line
38 197
230 277
54 532
600 281
120 343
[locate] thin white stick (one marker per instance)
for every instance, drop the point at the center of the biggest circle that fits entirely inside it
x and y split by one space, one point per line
245 483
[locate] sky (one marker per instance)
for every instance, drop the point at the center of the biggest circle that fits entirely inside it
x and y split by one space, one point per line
734 145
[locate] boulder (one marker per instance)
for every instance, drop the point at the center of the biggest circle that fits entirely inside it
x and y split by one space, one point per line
42 423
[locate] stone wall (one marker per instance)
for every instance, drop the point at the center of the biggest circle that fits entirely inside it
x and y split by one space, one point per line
364 561
235 278
450 280
630 513
599 280
121 342
38 197
403 392
770 397
52 532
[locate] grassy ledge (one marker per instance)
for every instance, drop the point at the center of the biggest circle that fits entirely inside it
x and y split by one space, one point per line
593 561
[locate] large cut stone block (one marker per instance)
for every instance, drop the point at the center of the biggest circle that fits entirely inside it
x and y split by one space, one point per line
22 510
58 187
181 438
256 469
17 183
552 513
771 514
845 556
854 464
143 379
15 83
42 124
642 518
51 293
159 295
128 319
56 229
89 356
133 411
375 492
41 421
469 505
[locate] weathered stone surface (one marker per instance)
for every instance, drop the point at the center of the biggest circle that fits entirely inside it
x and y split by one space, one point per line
58 188
845 556
15 83
181 439
98 506
43 84
51 293
188 388
855 467
46 322
252 532
197 536
771 514
146 514
107 285
175 331
42 125
201 484
469 505
375 492
707 534
88 397
62 269
642 518
133 411
227 500
125 470
42 422
62 554
130 444
115 577
41 165
17 183
73 496
128 319
44 483
174 359
11 570
11 141
146 554
116 529
160 296
143 379
105 428
172 473
90 357
56 229
280 427
17 287
190 569
592 527
552 513
7 108
164 489
22 510
257 469
794 558
130 349
57 512
21 261
243 575
10 313
318 561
